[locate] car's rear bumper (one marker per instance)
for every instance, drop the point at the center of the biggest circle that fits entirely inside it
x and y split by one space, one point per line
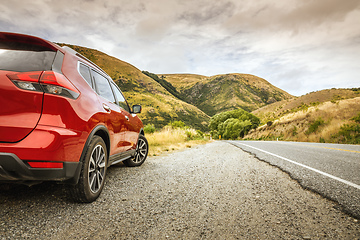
48 143
45 145
14 169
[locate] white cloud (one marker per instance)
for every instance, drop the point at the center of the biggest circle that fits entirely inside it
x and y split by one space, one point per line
298 45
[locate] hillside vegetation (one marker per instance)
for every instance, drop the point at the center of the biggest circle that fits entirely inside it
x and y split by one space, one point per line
225 92
159 106
276 110
326 116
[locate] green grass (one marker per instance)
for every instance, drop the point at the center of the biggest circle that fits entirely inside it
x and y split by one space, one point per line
349 133
314 126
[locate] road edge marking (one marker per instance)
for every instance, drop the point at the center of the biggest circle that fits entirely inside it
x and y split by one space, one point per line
307 167
337 149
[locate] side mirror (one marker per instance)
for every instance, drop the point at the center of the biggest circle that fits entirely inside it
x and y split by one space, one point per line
136 109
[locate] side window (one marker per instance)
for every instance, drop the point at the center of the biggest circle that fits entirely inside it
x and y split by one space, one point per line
120 98
103 86
85 73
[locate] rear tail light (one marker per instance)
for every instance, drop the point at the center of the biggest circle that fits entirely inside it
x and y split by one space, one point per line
27 81
46 164
47 81
56 83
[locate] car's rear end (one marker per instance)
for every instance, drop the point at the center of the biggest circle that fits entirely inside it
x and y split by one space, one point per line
35 143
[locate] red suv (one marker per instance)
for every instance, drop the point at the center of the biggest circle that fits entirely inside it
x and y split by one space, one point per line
62 118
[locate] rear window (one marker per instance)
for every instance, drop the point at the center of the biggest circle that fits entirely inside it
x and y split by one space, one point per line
85 73
103 87
22 57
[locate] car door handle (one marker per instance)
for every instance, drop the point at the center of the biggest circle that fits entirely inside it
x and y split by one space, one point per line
127 118
106 107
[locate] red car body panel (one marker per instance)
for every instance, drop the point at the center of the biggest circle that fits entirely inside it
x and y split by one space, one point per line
19 112
47 143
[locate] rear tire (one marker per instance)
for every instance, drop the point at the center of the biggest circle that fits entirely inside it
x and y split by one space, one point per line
93 172
142 149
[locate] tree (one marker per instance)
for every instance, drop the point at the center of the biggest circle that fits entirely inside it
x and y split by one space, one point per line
233 124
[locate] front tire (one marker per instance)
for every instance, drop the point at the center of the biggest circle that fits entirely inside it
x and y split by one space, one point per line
142 149
93 172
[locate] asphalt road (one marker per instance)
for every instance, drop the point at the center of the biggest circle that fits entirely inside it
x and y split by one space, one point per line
211 191
332 170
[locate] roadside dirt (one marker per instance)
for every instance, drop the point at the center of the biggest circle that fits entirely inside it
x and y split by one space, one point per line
212 191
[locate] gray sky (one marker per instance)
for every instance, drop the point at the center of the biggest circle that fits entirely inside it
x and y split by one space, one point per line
297 45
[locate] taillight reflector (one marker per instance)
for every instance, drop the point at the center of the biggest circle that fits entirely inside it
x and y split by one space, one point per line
46 164
25 76
46 81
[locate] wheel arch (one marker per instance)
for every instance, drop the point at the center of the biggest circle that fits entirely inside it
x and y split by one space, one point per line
100 131
104 134
142 132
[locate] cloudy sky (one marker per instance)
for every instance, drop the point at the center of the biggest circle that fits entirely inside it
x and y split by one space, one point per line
297 45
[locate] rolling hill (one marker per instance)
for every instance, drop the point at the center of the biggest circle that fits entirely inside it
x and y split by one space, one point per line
225 92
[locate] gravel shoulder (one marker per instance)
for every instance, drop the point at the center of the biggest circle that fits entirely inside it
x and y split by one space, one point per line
212 191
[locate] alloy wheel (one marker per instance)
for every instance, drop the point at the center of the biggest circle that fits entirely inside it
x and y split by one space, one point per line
97 168
141 151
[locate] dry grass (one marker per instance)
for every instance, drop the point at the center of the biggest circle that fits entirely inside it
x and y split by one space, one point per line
279 109
295 126
184 81
169 139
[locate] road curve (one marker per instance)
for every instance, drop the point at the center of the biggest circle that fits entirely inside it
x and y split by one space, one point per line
333 170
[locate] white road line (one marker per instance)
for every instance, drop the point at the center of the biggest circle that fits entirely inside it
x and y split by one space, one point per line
307 167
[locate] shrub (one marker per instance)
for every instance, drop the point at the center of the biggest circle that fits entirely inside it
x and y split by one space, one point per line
315 125
149 128
350 133
356 118
302 107
177 124
189 135
199 134
294 131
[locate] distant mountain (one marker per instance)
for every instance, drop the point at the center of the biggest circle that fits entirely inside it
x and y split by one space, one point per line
159 106
225 92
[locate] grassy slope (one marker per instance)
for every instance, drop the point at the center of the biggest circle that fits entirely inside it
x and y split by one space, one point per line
276 110
159 106
184 81
293 118
226 92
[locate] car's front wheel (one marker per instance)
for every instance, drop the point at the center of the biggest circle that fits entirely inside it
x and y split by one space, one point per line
142 149
93 171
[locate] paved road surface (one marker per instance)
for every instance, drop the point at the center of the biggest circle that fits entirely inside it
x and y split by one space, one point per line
213 191
333 170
